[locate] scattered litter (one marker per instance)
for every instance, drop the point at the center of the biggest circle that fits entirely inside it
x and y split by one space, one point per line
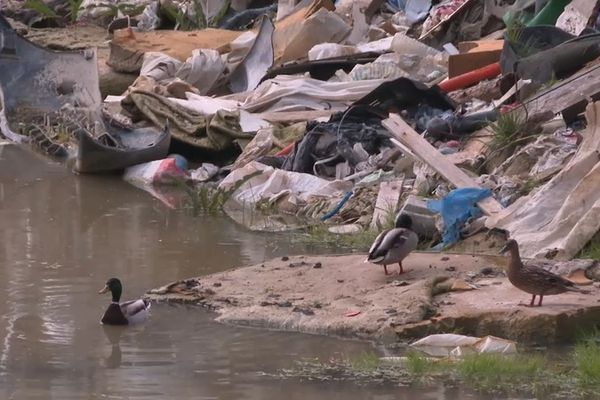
452 345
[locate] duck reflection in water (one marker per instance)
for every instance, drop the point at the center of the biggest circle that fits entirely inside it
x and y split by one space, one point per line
113 334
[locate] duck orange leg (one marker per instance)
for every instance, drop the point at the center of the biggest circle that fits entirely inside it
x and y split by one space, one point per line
533 300
385 269
540 302
402 269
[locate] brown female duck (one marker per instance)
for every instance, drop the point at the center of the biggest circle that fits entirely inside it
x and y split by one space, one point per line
532 278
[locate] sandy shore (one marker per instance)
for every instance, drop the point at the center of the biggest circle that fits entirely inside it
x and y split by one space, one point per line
343 296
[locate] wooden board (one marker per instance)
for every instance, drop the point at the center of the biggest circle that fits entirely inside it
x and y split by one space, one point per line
578 88
406 135
387 200
127 48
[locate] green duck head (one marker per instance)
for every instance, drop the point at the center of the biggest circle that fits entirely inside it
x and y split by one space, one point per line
403 221
115 287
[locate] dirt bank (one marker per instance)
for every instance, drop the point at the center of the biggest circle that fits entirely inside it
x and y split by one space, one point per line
341 295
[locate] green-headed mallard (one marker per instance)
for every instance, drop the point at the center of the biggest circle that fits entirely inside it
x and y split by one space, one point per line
129 312
393 245
532 278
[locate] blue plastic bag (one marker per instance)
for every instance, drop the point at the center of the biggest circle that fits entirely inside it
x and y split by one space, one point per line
456 209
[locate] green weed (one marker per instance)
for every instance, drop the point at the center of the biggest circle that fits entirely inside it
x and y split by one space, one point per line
591 249
494 370
206 200
41 8
417 364
587 361
195 20
507 128
364 362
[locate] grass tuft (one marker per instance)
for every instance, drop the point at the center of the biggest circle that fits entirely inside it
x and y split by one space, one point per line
587 361
206 199
507 128
418 364
493 370
591 249
364 362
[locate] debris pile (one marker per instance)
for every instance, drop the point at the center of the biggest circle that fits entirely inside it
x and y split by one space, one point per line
467 115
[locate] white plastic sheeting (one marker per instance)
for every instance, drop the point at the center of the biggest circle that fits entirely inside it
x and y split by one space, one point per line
562 216
293 93
202 70
329 50
293 41
272 184
449 344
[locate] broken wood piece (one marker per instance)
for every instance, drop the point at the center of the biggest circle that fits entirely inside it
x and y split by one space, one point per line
387 201
577 16
127 48
474 148
473 55
463 6
566 94
410 139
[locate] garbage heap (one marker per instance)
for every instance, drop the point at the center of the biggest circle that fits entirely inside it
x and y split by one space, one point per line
469 115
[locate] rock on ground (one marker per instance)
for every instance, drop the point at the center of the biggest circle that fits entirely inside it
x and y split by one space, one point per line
343 296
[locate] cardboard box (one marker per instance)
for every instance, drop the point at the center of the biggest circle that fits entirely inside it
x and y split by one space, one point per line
474 55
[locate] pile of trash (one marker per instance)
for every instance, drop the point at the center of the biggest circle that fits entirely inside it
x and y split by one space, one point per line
468 115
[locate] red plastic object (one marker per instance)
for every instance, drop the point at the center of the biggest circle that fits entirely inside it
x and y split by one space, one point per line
352 313
470 78
286 150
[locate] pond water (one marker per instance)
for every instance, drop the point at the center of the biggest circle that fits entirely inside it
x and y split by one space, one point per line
63 235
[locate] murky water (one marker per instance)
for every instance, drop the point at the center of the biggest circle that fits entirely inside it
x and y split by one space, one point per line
62 236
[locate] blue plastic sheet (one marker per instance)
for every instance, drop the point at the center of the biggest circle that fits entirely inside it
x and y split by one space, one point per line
338 207
456 209
397 5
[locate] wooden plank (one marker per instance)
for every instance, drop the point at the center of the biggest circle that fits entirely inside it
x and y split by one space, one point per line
566 93
387 200
127 48
406 135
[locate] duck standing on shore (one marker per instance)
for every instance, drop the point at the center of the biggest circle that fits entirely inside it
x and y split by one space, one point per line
393 245
532 278
129 312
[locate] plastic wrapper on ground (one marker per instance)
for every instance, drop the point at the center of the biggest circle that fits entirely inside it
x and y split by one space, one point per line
449 344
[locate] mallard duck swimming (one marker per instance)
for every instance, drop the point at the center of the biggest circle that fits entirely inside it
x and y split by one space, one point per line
129 312
532 278
393 245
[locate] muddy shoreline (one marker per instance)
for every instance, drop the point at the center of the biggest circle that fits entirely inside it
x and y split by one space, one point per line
342 296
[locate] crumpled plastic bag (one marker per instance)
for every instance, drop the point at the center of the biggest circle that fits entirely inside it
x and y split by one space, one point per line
329 50
157 172
449 344
202 70
456 209
273 184
205 172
